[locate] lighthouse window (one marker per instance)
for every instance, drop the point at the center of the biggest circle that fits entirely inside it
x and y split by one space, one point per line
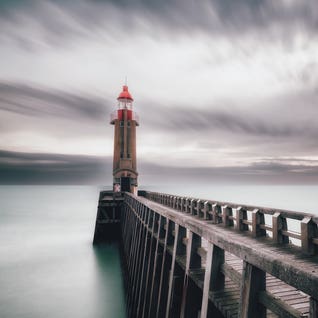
128 124
121 123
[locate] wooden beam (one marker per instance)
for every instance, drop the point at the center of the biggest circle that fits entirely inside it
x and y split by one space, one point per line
253 282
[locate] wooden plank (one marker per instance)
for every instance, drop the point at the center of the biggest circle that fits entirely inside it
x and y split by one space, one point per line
230 272
278 306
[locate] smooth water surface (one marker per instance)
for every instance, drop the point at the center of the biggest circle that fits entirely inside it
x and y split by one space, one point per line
48 266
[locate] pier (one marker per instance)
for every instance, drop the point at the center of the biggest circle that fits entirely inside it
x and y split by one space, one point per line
188 257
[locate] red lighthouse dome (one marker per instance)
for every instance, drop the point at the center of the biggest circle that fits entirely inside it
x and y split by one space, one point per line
125 94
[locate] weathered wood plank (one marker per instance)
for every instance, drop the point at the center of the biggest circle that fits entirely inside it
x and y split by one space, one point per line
278 306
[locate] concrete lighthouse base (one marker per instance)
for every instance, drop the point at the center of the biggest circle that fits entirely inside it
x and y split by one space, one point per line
107 227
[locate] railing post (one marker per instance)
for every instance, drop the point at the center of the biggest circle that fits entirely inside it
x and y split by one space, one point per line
206 210
179 206
215 213
182 204
192 207
253 282
188 205
240 216
257 219
278 224
226 212
308 232
174 202
198 205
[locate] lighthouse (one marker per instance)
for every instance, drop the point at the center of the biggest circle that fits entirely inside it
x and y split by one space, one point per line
125 121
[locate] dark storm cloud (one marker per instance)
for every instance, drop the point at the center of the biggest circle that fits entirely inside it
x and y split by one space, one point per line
266 172
41 168
60 19
34 101
49 112
293 115
224 14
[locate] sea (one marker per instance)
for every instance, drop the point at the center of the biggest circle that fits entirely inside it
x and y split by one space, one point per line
48 265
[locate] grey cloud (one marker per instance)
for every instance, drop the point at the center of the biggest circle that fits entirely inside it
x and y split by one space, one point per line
55 112
60 19
285 126
37 168
291 116
40 102
34 101
257 173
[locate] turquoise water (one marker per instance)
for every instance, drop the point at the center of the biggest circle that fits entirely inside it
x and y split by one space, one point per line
48 266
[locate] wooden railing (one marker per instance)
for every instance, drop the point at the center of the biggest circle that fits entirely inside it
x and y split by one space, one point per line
259 221
178 259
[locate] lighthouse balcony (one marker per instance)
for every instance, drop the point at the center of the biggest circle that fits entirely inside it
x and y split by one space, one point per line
118 114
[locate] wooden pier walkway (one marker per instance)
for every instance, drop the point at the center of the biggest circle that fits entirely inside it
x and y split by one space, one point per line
193 258
190 258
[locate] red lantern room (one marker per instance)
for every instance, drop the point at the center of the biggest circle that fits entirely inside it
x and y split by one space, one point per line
124 103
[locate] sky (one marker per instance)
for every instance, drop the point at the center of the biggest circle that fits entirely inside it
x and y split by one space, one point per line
226 91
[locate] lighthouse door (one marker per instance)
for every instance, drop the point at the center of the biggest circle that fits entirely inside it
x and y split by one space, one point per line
125 184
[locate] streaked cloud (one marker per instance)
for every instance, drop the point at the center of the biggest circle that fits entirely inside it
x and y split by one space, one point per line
218 84
41 168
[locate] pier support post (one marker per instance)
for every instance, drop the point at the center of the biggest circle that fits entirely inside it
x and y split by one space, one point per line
189 306
253 282
313 309
213 278
173 301
165 268
157 268
152 248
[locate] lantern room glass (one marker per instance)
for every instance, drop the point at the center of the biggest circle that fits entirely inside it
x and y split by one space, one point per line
125 104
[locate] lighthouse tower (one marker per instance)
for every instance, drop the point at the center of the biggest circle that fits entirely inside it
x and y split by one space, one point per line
125 121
